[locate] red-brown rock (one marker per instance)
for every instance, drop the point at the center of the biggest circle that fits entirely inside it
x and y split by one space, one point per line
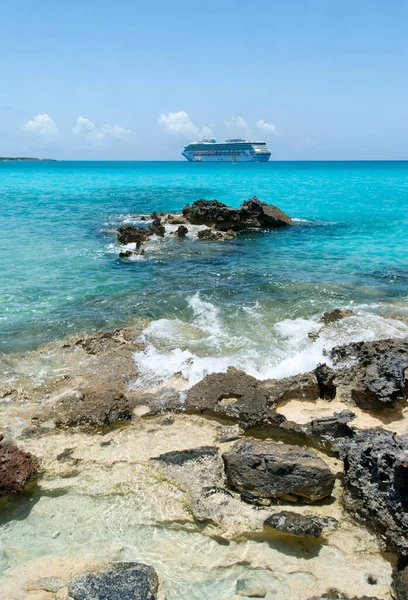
16 468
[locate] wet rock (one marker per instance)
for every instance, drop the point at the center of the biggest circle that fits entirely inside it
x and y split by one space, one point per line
16 468
333 594
180 457
337 314
216 236
157 228
175 219
270 470
297 524
182 231
325 380
376 485
252 213
246 400
377 377
101 342
131 253
94 408
122 581
129 234
250 586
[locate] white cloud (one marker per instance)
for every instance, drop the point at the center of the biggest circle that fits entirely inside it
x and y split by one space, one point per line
97 135
43 126
268 127
237 126
309 143
180 124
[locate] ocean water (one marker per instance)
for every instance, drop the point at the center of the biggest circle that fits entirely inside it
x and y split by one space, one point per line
250 302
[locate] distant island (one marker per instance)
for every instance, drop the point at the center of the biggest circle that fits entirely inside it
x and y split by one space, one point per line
26 158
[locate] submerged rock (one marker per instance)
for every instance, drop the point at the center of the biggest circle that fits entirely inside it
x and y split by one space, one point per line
377 377
252 213
337 314
376 485
297 524
16 468
271 470
182 231
216 236
250 586
122 581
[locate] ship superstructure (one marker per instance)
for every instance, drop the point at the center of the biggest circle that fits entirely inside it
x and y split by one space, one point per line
235 150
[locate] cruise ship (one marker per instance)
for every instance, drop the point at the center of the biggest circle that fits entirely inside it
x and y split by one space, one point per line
235 150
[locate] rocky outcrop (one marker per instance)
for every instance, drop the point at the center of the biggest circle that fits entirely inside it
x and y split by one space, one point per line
270 470
293 523
121 581
376 484
182 231
378 375
94 408
129 234
401 584
213 235
337 314
16 469
253 213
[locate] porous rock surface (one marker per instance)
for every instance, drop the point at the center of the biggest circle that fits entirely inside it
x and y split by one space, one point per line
297 524
121 581
252 213
16 468
270 470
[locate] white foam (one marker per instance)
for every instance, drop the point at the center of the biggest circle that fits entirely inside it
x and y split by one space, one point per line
214 340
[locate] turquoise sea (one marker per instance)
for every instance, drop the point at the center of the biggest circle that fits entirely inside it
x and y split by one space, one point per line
249 302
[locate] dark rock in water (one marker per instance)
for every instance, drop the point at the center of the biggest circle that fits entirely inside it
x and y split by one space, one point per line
16 468
175 219
378 375
216 236
332 316
270 470
129 234
182 231
157 228
376 484
180 457
325 379
296 524
242 398
122 581
252 213
400 584
95 408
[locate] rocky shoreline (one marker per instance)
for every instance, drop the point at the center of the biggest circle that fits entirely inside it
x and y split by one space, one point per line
234 461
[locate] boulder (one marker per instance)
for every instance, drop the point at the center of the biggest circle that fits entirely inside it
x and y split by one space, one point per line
325 380
271 470
293 523
182 231
376 484
250 586
121 581
129 234
157 228
252 213
377 377
16 468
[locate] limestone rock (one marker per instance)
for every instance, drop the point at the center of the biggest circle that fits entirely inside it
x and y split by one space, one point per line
250 586
122 581
297 524
270 470
332 316
378 375
16 468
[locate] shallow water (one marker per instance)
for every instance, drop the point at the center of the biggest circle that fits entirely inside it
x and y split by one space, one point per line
61 272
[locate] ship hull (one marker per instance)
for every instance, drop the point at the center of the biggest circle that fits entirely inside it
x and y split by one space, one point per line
227 159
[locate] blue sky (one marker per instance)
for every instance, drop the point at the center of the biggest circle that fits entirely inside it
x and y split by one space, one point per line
136 80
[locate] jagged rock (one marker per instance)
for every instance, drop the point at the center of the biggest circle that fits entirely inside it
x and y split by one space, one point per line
129 234
101 342
325 380
270 470
377 377
336 595
331 316
244 399
94 408
157 228
121 581
250 586
182 231
175 219
252 213
180 457
400 584
130 253
216 236
376 484
326 432
16 468
298 524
